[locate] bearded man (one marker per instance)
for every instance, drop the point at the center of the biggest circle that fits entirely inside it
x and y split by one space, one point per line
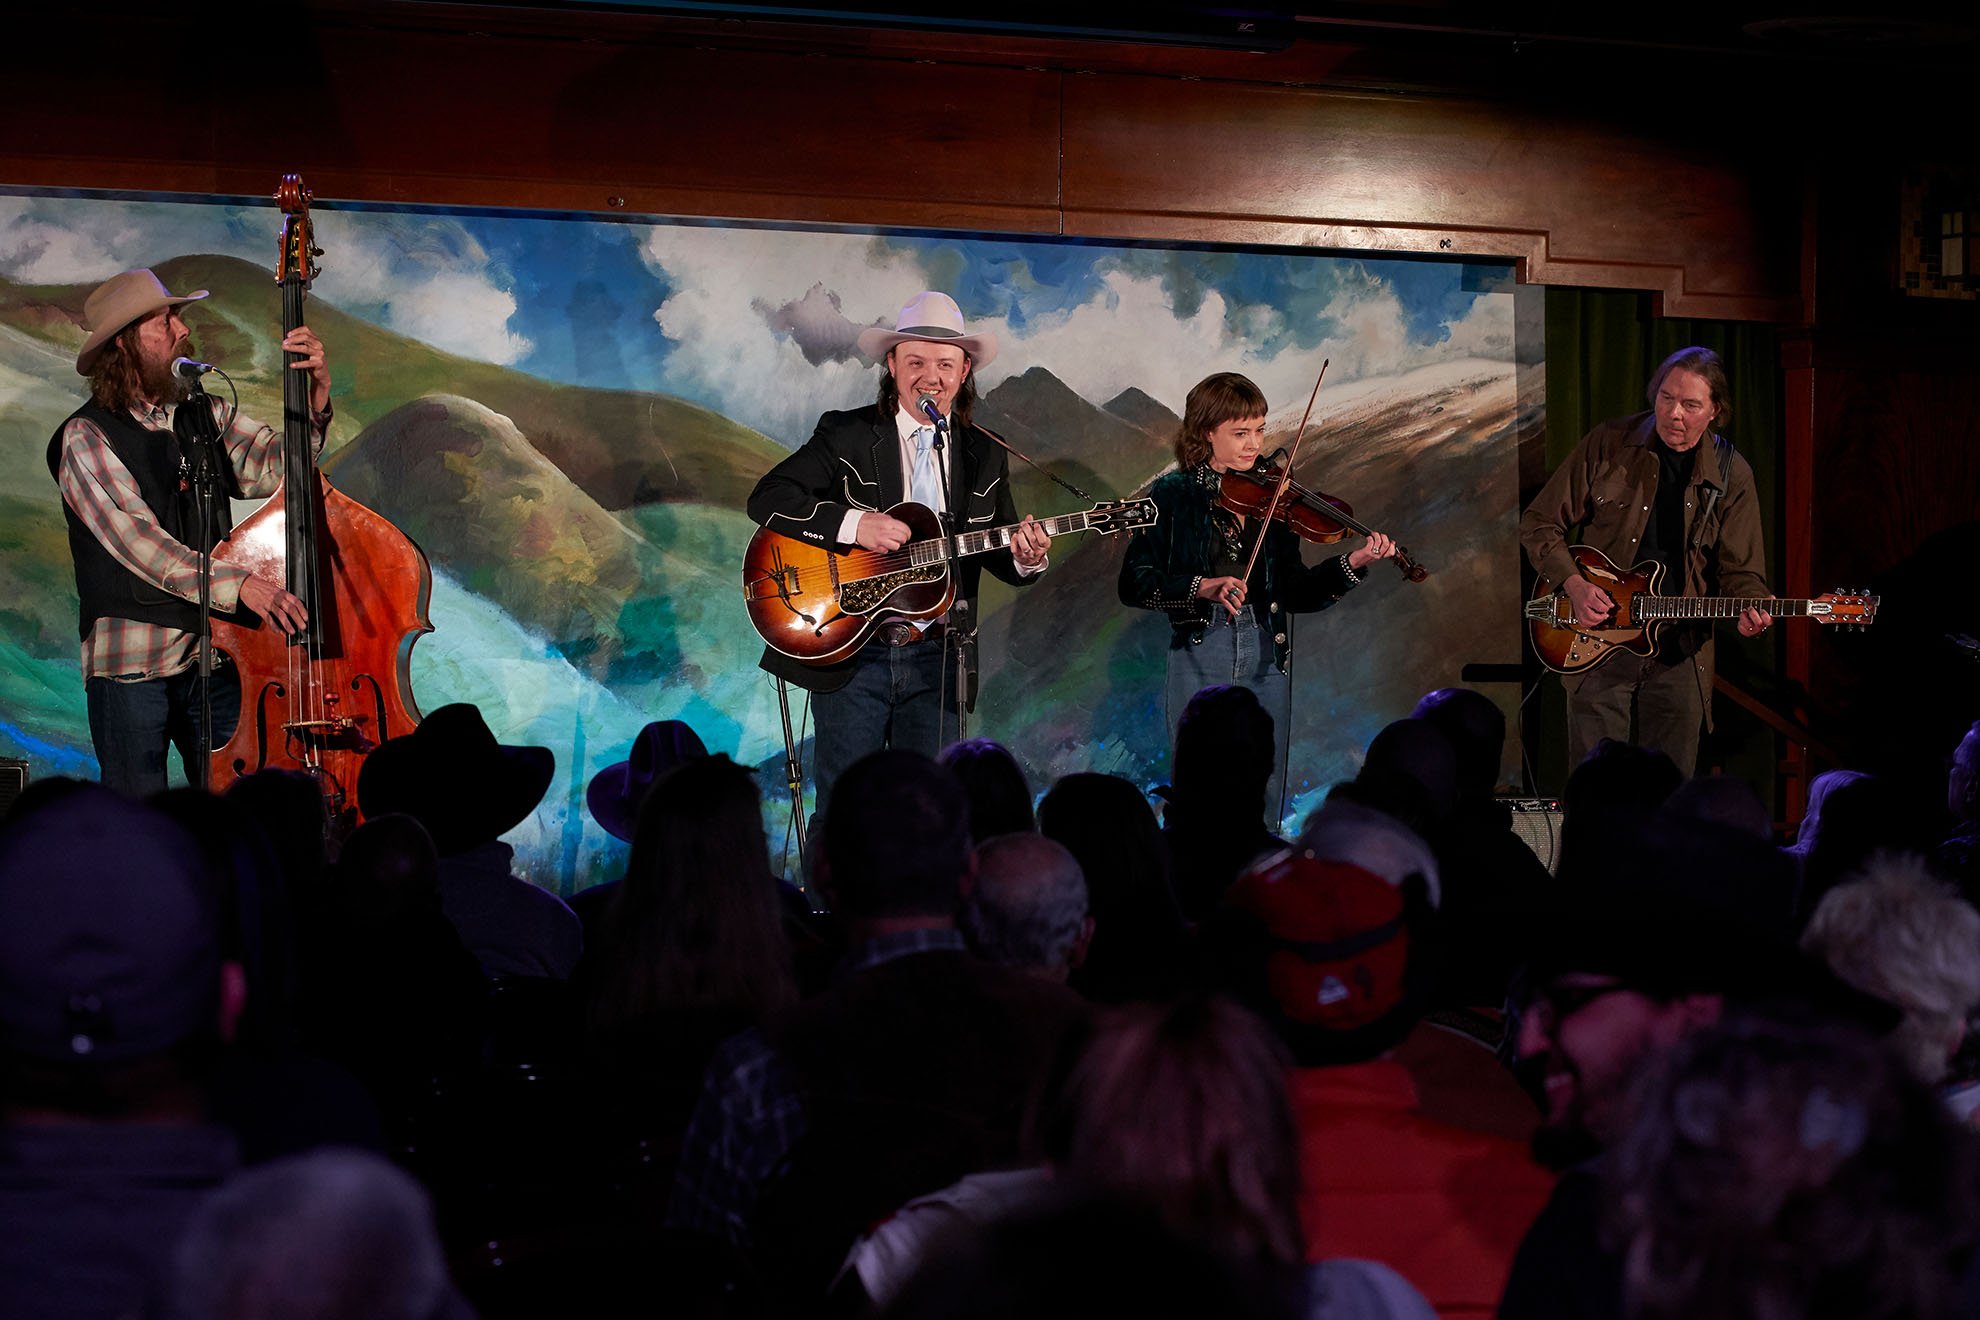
137 528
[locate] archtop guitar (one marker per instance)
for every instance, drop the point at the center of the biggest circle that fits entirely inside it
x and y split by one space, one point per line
818 606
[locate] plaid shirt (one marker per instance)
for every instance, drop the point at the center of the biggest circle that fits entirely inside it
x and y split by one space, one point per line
97 485
750 1115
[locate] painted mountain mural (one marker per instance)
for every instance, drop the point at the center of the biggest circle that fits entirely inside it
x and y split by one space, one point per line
568 415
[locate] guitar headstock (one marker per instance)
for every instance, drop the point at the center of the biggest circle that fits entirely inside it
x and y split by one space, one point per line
1110 516
1849 608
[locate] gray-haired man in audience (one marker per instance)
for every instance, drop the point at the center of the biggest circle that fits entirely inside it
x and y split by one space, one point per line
1029 906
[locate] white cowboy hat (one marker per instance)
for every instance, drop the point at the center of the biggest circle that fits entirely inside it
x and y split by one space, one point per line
116 303
931 318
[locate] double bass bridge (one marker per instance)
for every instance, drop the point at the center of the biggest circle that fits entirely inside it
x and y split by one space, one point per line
339 732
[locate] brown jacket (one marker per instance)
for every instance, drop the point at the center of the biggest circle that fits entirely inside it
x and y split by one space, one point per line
1605 492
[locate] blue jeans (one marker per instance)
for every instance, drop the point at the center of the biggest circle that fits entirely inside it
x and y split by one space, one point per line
1236 653
895 699
134 724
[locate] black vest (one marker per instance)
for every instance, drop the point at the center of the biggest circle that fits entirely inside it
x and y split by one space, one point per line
106 588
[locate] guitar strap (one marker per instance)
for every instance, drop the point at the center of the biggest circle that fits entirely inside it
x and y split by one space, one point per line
1711 498
1712 493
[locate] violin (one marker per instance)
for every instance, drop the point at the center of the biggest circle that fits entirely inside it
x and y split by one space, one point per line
1312 515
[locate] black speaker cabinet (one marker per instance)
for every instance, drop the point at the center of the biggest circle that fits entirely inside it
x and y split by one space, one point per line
1538 821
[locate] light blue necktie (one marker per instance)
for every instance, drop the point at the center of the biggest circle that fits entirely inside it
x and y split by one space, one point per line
925 477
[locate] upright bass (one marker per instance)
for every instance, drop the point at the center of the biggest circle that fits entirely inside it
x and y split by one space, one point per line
321 700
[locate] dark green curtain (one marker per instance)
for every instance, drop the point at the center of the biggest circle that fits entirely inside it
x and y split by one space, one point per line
1602 347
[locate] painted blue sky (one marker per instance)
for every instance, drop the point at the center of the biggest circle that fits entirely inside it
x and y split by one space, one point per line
758 322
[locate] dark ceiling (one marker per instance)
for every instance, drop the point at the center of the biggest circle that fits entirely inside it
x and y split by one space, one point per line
1788 29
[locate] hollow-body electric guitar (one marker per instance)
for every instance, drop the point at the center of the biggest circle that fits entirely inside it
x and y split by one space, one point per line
818 606
1568 647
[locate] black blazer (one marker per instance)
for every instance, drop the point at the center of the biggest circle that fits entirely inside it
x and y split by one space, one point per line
853 461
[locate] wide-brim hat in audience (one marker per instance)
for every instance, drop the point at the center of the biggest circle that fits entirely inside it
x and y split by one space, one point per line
615 792
116 303
109 930
933 318
453 777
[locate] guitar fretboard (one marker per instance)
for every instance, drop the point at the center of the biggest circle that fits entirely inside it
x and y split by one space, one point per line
998 538
1657 608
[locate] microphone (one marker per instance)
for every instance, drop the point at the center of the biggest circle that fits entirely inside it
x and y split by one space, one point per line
187 369
926 403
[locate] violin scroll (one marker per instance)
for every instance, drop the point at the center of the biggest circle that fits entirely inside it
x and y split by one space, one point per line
1412 570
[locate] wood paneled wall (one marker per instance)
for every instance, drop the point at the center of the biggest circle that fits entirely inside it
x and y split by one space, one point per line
383 101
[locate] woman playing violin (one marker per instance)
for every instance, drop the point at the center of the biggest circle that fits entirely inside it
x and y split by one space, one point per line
1225 627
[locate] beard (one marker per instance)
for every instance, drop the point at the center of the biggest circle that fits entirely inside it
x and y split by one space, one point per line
1562 1142
156 378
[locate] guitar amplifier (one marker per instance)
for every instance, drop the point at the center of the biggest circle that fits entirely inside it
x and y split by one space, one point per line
13 778
1537 821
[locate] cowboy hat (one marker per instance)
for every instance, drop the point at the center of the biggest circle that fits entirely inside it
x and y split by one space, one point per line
931 318
615 792
451 776
116 303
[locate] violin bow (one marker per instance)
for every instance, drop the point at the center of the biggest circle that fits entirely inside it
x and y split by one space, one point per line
1285 474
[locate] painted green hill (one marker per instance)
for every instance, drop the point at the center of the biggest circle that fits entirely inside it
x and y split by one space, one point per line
465 484
622 596
34 398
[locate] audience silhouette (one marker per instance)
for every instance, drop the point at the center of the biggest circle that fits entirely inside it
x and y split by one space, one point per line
1026 1064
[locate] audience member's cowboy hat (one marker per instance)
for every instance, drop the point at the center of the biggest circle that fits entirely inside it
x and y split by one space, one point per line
451 776
616 791
116 303
931 318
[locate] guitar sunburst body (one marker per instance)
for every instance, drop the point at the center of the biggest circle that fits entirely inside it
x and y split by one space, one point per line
814 605
818 606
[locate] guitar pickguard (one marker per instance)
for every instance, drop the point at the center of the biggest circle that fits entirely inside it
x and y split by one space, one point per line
866 594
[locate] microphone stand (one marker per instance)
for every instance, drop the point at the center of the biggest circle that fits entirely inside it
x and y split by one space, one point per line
962 624
197 432
794 777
